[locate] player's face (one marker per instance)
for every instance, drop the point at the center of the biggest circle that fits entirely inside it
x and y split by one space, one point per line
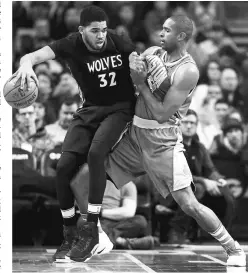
66 115
189 125
168 36
95 35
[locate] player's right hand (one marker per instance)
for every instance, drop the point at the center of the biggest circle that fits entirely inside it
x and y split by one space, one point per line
25 73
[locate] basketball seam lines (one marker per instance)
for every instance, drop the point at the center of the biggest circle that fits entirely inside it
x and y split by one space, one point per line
22 98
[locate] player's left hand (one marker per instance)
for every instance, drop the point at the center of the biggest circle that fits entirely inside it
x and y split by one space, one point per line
138 77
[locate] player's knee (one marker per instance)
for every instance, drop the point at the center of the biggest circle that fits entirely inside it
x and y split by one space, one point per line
95 156
191 207
65 165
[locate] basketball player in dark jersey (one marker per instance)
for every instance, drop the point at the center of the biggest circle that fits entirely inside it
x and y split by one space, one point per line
98 60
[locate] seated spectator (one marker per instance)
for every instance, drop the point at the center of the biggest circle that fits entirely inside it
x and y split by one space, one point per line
208 181
26 136
210 76
42 68
118 219
227 154
45 96
40 114
229 84
66 88
210 126
57 130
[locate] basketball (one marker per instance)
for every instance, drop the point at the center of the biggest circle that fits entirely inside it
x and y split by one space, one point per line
156 73
18 98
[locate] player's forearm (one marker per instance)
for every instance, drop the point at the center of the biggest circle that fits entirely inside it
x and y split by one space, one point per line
117 213
39 56
161 111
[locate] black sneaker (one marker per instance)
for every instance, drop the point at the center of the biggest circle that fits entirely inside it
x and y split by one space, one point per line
70 239
88 241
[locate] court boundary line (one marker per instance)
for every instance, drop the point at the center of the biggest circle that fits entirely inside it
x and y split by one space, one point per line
213 259
139 263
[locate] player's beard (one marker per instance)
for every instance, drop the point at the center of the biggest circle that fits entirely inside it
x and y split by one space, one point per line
93 46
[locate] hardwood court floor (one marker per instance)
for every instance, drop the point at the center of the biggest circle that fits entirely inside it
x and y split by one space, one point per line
167 258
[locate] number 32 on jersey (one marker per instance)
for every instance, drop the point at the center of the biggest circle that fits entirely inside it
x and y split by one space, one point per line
107 79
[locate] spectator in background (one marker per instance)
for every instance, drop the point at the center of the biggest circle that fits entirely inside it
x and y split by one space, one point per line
210 126
229 83
45 96
118 219
72 19
57 130
40 114
42 68
226 153
242 95
210 185
217 38
197 53
210 76
27 137
154 19
24 128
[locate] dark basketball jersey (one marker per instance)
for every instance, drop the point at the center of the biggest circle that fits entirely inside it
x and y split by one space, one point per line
103 77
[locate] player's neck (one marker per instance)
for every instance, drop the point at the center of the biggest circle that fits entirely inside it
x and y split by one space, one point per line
175 55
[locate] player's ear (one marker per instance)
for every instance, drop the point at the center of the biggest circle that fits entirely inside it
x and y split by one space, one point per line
181 36
81 29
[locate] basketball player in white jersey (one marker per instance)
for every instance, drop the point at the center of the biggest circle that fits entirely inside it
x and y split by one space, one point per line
153 143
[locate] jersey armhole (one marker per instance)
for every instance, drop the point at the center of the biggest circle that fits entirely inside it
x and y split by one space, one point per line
174 72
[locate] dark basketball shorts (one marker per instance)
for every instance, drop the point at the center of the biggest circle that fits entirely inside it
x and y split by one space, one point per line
152 148
97 124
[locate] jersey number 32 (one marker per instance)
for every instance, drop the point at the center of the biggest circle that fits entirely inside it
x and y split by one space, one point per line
107 79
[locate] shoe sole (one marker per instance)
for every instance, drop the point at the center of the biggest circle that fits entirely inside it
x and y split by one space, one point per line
85 259
63 261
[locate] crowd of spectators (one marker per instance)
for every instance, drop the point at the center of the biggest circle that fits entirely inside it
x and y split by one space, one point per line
220 99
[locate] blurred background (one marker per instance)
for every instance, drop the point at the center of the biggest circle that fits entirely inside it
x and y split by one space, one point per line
219 47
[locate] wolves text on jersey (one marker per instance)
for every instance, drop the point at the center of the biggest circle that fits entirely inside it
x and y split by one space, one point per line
157 72
105 63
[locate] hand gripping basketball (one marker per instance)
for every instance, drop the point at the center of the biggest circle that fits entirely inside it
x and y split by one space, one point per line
23 96
26 74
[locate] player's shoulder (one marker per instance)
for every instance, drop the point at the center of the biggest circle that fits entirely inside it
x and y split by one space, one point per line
189 69
73 37
121 41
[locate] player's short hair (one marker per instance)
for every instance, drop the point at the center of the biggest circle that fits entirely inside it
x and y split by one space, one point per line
69 101
92 14
184 24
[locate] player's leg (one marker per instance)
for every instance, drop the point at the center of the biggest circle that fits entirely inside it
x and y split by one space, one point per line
80 187
122 165
168 169
208 221
73 155
104 139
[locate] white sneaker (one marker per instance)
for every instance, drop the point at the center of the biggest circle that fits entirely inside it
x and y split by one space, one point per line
236 257
105 245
